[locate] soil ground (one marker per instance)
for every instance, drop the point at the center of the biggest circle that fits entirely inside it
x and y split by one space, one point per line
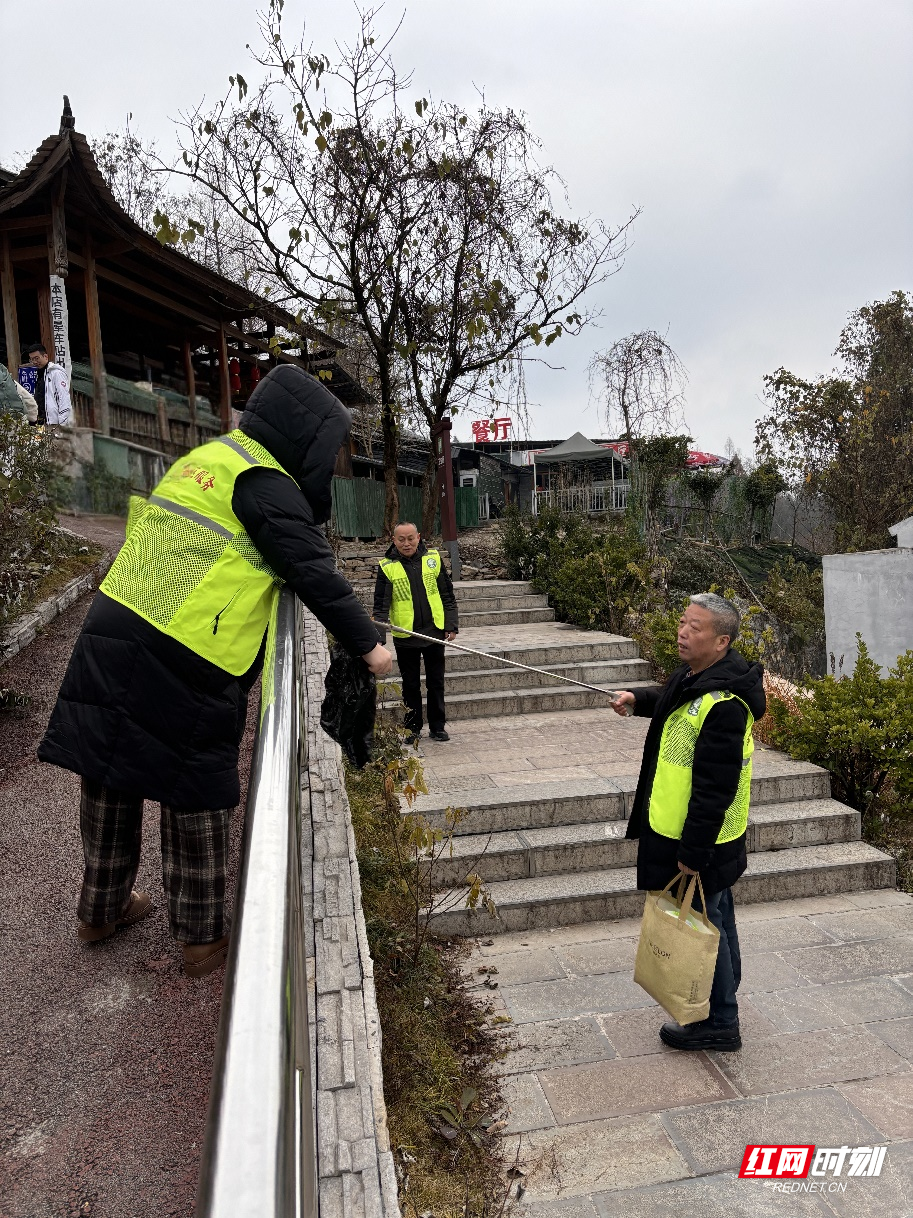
107 1048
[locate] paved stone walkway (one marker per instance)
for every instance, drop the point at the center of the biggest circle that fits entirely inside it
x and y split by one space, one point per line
510 749
612 1124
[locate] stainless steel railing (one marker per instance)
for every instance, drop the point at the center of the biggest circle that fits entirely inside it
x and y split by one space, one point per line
259 1154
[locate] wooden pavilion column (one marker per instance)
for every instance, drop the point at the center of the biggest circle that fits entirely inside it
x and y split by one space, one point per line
191 379
10 317
101 410
45 325
224 381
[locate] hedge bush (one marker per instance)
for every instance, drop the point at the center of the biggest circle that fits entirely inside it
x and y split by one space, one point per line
859 727
595 578
28 515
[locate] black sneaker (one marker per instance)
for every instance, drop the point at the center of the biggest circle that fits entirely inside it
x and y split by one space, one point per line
413 738
441 735
702 1035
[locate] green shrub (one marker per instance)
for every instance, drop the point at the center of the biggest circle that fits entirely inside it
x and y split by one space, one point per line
600 589
533 546
794 594
858 727
108 492
594 577
694 568
27 514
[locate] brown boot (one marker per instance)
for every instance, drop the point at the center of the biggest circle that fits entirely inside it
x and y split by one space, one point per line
203 958
139 906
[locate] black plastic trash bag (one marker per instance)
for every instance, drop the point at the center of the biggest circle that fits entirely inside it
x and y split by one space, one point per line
350 705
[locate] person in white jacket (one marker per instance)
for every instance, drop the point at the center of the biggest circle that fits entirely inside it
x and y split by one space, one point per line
52 389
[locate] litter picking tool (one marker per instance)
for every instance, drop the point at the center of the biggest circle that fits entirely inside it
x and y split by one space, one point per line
487 655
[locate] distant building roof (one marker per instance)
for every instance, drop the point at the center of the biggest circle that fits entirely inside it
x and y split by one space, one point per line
577 448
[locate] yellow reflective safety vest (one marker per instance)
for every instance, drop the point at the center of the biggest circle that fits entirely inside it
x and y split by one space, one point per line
671 791
402 612
188 567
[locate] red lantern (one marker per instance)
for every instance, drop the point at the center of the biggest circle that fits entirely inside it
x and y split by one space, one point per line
234 375
254 376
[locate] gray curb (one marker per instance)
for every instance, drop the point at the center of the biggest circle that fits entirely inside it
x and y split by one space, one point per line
357 1176
30 625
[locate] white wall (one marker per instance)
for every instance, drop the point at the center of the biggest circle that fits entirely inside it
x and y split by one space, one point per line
872 593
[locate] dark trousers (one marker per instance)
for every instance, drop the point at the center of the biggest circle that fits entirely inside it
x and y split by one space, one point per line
194 862
409 660
724 1009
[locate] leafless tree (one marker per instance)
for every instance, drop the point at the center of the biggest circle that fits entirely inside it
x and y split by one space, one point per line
494 270
127 164
430 229
640 383
132 169
326 165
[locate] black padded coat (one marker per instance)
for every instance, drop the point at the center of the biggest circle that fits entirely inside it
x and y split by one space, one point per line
138 711
714 778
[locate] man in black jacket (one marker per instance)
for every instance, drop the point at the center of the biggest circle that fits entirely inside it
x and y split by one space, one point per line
721 690
411 605
142 716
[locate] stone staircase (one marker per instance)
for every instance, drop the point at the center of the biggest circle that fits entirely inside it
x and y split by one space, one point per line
477 687
554 853
495 602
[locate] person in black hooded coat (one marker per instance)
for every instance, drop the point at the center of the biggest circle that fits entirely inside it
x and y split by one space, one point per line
706 630
139 715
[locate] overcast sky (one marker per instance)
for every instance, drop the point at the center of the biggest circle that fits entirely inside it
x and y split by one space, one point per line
768 143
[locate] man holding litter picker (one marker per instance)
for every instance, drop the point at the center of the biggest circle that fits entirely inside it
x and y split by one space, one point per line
690 809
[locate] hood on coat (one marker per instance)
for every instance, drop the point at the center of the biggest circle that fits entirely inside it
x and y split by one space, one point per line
735 674
300 423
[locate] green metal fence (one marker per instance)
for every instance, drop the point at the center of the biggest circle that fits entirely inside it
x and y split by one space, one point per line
467 506
358 507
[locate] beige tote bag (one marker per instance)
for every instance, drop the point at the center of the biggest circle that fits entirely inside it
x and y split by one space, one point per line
676 956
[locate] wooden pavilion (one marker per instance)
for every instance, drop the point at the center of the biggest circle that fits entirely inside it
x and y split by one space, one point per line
160 349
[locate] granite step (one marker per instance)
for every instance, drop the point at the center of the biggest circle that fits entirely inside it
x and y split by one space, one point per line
523 701
611 673
599 845
606 895
471 589
499 604
529 700
775 780
505 617
608 647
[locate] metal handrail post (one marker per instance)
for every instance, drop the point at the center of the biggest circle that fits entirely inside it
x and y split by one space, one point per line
259 1155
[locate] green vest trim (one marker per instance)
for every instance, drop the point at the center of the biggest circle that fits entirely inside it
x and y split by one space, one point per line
188 567
402 612
671 791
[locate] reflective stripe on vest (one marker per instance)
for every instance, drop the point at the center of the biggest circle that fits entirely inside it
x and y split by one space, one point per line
188 567
402 611
671 791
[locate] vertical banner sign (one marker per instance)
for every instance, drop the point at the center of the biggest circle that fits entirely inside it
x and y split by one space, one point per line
60 325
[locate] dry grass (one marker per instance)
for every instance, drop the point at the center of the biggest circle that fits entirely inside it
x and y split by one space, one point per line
65 566
781 690
440 1039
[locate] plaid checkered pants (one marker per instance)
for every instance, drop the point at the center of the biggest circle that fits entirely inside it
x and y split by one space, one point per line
194 861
